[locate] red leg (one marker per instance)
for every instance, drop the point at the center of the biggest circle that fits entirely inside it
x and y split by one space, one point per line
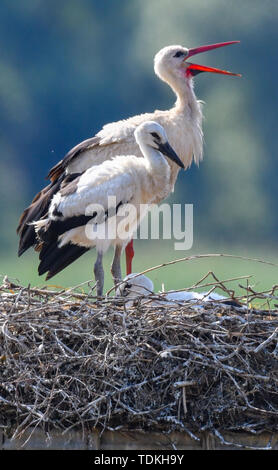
129 253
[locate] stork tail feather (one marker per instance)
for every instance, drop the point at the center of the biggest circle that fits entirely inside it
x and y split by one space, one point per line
37 210
54 259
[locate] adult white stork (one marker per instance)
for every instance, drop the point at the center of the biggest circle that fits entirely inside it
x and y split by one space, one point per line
183 124
65 234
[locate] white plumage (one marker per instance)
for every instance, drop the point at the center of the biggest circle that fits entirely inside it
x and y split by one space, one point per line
136 286
182 123
80 214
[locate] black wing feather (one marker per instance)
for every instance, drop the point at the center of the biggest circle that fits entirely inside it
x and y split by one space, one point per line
40 204
55 228
36 211
54 259
74 153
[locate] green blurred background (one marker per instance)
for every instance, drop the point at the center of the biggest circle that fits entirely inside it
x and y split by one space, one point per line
68 67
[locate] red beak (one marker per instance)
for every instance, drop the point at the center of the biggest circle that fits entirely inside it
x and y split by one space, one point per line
194 69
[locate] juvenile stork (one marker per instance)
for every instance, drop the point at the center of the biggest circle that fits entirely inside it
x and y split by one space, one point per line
65 234
183 124
138 285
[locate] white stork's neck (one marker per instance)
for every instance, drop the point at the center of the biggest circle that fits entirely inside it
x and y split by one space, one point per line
186 99
189 110
154 160
157 166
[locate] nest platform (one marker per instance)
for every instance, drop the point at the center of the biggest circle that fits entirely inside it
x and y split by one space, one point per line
89 370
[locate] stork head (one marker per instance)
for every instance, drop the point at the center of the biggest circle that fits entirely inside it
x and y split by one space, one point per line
171 62
152 134
135 285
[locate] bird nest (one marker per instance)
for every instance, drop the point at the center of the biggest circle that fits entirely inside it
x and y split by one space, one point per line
69 360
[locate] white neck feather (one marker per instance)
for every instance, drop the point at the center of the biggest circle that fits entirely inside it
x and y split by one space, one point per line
186 99
157 185
153 158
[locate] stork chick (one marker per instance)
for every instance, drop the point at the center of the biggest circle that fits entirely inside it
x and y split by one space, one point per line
130 180
138 285
182 123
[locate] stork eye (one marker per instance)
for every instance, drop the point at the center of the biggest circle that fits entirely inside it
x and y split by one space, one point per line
179 54
155 135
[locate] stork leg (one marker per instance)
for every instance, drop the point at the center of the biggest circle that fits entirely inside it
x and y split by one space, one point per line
99 274
116 265
129 253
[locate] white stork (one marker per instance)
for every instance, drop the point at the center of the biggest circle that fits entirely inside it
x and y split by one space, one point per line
64 235
137 285
183 124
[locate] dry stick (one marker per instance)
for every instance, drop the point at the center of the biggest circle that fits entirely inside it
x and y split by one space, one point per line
242 446
266 342
208 284
51 293
264 294
224 288
189 258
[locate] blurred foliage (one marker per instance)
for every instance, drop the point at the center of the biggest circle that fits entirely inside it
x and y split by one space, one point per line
69 67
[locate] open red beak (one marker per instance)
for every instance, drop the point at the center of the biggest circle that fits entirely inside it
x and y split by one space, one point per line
194 69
